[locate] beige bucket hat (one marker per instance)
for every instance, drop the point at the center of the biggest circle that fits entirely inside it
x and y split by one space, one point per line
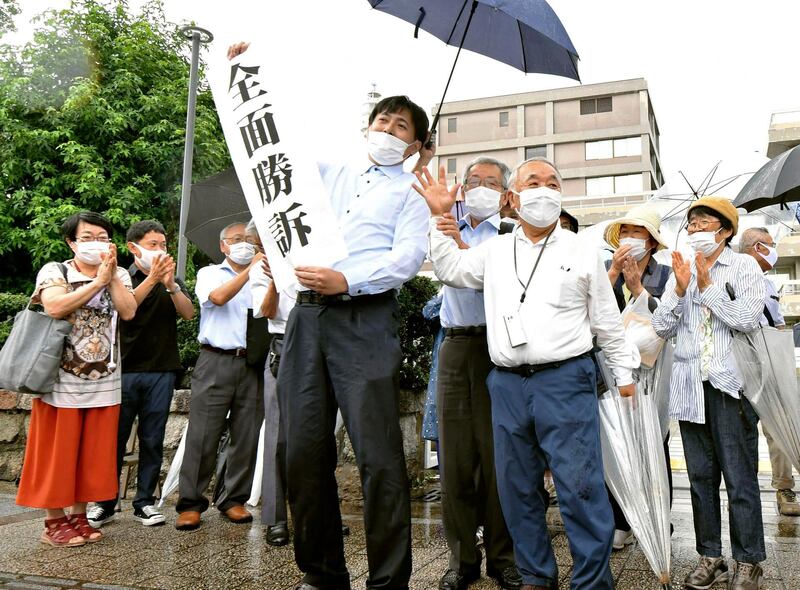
645 216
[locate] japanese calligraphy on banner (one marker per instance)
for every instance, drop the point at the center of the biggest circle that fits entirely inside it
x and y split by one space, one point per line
282 185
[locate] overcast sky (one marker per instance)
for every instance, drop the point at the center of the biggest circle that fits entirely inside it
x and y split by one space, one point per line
716 69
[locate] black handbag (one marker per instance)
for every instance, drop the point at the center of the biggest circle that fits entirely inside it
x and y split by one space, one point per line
257 340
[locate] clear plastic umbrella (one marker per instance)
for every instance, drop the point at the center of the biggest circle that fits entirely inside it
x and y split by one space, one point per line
766 360
632 435
173 475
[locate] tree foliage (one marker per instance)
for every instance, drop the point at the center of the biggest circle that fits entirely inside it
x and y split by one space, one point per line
92 116
8 10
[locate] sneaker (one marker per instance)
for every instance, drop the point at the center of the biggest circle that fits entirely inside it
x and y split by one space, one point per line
787 503
707 572
99 515
746 577
622 538
148 516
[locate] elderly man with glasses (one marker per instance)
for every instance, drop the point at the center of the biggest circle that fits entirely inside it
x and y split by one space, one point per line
224 380
466 453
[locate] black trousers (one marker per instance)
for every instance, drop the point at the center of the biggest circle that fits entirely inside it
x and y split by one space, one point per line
346 356
466 456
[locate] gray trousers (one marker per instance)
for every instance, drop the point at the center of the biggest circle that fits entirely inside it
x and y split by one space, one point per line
221 384
346 356
466 455
273 481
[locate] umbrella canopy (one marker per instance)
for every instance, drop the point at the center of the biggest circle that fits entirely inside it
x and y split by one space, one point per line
525 34
777 182
215 203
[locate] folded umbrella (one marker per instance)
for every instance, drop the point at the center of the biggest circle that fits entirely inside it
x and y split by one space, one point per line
776 182
765 359
634 465
525 34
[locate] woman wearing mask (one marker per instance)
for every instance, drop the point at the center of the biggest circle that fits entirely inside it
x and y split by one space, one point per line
705 300
70 456
634 272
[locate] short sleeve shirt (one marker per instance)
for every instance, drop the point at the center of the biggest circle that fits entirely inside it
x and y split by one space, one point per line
89 375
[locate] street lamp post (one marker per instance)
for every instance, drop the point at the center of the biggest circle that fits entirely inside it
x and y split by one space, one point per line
198 36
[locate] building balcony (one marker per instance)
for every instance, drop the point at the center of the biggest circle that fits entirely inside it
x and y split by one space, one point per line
784 132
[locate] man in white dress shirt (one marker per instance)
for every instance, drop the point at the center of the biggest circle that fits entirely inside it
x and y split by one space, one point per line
545 295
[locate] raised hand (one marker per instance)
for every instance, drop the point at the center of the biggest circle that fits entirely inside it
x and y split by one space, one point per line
440 199
448 225
633 275
168 271
620 254
108 267
237 49
703 276
683 273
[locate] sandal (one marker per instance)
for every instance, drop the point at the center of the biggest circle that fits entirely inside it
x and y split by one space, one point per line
80 523
58 532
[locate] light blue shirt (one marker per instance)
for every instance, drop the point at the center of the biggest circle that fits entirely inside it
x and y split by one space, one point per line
683 317
222 326
464 307
384 223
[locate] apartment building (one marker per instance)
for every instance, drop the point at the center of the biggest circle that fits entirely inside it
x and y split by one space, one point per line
604 138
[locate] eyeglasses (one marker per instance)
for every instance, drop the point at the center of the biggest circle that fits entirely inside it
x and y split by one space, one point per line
104 239
492 183
700 225
233 240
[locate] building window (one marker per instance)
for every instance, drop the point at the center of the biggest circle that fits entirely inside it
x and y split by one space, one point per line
590 106
503 118
599 150
628 146
629 183
452 125
600 186
451 163
617 148
537 151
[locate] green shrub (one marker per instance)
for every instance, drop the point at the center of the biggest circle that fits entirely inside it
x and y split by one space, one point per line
10 305
416 340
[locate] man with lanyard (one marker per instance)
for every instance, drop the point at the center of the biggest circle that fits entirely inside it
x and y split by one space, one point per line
545 294
223 381
759 244
150 362
466 452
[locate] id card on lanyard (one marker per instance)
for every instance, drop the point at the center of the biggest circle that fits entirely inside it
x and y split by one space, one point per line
513 321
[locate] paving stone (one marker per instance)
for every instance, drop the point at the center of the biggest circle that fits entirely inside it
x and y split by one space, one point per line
56 581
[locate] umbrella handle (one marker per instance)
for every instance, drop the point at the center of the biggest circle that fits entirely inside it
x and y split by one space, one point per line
455 61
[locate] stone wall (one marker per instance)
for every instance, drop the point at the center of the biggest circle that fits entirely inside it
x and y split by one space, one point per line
15 411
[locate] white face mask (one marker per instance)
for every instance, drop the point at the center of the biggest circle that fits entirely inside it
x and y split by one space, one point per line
772 255
482 202
541 206
705 242
89 252
638 247
242 253
147 257
386 149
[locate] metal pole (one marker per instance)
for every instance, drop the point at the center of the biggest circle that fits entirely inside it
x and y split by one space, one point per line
197 35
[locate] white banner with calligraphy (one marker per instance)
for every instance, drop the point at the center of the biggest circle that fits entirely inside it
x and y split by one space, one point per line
281 183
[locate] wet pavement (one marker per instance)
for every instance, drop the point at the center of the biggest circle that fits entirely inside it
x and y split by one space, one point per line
222 555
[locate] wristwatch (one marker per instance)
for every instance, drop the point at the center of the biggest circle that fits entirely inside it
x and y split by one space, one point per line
173 291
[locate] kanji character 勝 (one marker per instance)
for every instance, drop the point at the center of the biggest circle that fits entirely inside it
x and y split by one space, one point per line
273 177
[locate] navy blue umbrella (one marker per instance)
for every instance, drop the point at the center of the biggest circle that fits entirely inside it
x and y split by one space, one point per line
525 34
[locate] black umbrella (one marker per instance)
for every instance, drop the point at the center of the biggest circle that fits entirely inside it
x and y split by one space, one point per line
525 34
214 204
777 182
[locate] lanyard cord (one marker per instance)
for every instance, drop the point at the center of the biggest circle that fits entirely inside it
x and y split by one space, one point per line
536 264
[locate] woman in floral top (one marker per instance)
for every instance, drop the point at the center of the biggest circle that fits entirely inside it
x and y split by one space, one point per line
70 456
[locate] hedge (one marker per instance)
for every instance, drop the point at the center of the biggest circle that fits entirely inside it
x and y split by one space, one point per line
415 336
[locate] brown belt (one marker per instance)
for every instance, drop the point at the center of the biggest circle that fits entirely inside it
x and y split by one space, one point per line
237 352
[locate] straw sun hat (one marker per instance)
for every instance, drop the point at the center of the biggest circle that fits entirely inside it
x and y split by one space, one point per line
645 216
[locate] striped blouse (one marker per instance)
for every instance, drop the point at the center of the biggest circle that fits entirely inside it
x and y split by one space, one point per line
684 317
